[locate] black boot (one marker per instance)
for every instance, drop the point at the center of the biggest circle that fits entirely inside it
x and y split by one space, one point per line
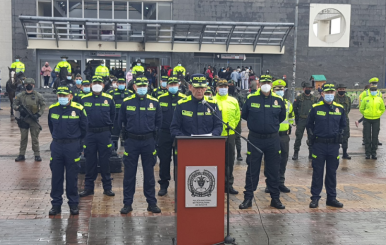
74 210
296 155
284 188
314 203
153 208
345 155
38 159
86 193
246 204
239 157
126 209
334 203
310 155
276 203
55 210
20 158
162 192
109 193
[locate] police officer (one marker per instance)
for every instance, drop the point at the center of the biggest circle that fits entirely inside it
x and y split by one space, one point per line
373 83
78 85
230 110
85 89
67 82
284 132
163 86
168 102
325 125
67 121
208 92
302 105
179 71
191 116
142 117
118 95
35 103
18 65
138 70
372 108
345 101
100 109
114 85
234 91
264 111
63 68
102 70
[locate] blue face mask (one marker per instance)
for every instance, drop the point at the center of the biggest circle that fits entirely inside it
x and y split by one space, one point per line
373 93
329 98
86 89
63 100
138 64
121 87
17 60
78 82
280 93
69 78
142 91
63 59
173 90
223 91
102 64
164 84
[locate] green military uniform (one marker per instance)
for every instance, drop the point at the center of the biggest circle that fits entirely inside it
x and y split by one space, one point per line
240 99
345 101
33 101
302 106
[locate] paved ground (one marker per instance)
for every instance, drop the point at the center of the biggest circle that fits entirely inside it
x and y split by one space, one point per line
25 188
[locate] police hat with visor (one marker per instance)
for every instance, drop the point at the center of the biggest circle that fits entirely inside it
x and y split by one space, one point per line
198 81
85 82
29 81
172 80
279 84
222 82
265 79
328 87
341 85
17 57
97 79
208 91
165 78
121 80
64 57
141 80
63 90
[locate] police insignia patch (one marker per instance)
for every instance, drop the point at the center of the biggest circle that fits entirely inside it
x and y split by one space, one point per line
201 184
336 110
151 105
73 114
106 102
276 103
208 110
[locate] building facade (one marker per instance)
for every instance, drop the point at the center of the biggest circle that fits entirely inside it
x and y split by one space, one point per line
344 40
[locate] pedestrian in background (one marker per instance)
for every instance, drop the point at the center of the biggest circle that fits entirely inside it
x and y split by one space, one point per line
46 73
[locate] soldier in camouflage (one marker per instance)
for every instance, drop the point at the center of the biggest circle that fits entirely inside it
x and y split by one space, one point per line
345 101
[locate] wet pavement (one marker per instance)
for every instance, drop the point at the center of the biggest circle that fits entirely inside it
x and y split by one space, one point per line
25 201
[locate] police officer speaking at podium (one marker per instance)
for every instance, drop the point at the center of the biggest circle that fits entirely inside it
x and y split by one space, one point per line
264 111
192 116
325 125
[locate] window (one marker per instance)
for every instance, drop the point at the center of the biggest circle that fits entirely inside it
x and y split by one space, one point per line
120 10
135 11
75 9
335 26
44 8
164 11
90 9
60 8
105 10
150 11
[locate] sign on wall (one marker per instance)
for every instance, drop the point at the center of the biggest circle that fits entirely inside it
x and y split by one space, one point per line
201 187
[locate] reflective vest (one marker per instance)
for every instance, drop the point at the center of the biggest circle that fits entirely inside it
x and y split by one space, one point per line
289 116
18 66
63 64
139 69
230 111
366 93
179 69
102 71
372 107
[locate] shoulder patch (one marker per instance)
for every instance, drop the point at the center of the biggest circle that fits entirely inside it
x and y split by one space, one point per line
54 105
76 105
184 100
318 104
129 98
163 95
107 95
337 104
181 95
87 95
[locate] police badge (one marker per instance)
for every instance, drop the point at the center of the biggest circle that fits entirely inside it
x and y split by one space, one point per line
73 113
106 102
208 110
337 110
151 105
276 103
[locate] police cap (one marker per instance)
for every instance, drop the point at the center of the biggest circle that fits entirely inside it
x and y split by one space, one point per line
111 76
231 82
279 83
341 85
172 80
141 80
198 81
29 81
78 75
374 80
17 57
328 87
222 82
97 79
85 82
208 91
63 90
101 62
121 80
115 79
64 57
165 78
307 85
265 78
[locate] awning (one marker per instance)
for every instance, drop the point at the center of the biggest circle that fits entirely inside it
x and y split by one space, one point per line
318 78
244 35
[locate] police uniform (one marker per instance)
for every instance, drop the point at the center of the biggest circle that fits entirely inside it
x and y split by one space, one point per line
138 70
78 96
302 105
35 102
63 68
18 65
118 97
101 113
179 71
325 124
263 115
345 101
157 92
102 71
191 116
141 117
68 125
168 103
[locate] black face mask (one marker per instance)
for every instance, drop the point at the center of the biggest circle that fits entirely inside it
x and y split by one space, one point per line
307 91
29 87
341 92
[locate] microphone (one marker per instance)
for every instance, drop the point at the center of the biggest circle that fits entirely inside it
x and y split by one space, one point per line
204 102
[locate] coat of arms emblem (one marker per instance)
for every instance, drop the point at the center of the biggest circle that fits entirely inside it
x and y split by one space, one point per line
201 184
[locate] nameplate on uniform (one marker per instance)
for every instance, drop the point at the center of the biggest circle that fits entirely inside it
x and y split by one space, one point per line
174 104
321 113
164 104
88 104
255 105
201 186
130 108
187 113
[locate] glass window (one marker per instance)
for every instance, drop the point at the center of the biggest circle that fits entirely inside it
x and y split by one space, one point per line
75 8
135 11
90 9
164 11
149 11
60 8
120 10
44 8
105 10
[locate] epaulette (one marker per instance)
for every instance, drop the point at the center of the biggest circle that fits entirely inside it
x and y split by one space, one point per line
154 90
107 95
181 95
254 94
87 95
210 100
184 100
129 98
163 95
54 105
318 104
151 98
76 105
337 104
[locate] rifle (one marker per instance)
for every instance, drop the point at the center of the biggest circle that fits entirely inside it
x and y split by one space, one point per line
27 114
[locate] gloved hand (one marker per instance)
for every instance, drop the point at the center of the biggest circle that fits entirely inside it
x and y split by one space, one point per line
311 141
36 116
339 139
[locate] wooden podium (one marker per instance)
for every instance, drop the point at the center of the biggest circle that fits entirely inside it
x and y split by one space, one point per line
200 190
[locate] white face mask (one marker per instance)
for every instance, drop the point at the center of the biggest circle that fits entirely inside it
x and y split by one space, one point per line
266 88
97 88
115 85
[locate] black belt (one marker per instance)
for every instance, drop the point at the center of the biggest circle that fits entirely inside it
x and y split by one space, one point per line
99 130
65 141
282 133
165 130
140 137
325 140
263 136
